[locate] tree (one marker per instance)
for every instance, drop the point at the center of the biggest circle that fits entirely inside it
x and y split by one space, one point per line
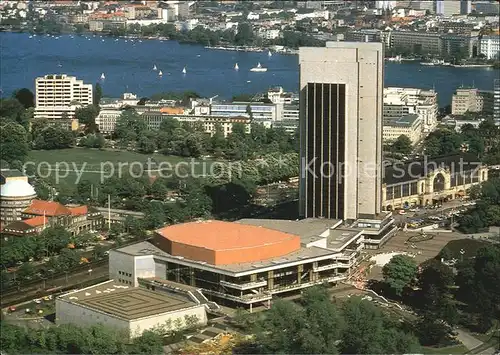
97 94
436 282
399 272
26 271
86 116
129 126
54 138
479 283
99 252
368 331
10 111
244 35
402 145
13 142
146 145
25 97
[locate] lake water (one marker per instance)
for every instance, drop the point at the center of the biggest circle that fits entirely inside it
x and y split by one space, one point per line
128 67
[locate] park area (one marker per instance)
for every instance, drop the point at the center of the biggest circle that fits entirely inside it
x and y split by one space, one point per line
64 168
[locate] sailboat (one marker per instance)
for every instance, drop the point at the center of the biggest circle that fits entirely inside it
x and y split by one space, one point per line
259 68
160 73
269 54
236 67
103 76
184 71
154 67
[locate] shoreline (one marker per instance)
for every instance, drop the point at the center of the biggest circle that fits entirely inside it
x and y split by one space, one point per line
278 49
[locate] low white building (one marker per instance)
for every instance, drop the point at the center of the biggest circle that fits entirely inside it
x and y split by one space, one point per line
409 125
269 33
129 309
399 102
490 47
154 118
106 120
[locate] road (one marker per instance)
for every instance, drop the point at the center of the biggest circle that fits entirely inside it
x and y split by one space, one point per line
42 288
469 341
422 213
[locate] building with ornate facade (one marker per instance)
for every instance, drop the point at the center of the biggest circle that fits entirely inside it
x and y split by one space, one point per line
427 182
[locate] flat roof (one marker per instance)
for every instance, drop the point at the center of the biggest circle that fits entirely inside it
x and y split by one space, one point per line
305 228
11 173
125 302
406 120
147 248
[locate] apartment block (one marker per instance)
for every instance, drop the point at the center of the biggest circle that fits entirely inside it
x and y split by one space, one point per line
489 46
472 100
418 42
58 96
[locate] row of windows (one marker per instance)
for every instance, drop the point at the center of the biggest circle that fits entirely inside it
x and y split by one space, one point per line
404 190
124 273
125 281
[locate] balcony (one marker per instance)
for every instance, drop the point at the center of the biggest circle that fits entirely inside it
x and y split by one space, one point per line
334 266
244 286
246 299
297 286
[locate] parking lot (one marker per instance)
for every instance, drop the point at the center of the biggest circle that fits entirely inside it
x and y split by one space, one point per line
441 215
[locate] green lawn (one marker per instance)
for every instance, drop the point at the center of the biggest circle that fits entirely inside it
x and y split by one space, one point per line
63 167
470 246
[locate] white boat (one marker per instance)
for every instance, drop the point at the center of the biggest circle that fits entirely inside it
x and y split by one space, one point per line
31 36
236 67
259 68
396 59
184 71
154 67
269 54
160 73
103 76
433 62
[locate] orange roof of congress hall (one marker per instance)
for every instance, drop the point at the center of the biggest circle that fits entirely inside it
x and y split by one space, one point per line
47 208
220 235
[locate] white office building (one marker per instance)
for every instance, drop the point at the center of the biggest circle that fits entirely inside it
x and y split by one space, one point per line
106 120
258 110
399 102
59 95
384 4
489 46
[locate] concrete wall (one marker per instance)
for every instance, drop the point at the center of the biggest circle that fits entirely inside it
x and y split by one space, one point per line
70 313
136 266
144 266
140 325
